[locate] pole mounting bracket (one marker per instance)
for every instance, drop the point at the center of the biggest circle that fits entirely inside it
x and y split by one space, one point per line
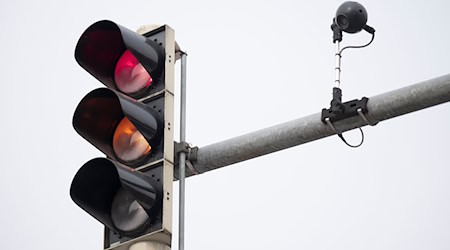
339 110
191 154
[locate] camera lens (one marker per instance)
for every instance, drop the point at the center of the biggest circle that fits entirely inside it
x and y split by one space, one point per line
342 21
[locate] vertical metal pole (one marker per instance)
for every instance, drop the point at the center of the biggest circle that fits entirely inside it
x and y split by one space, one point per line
182 155
337 69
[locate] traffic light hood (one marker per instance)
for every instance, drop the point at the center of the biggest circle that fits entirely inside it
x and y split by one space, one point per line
102 45
97 183
100 112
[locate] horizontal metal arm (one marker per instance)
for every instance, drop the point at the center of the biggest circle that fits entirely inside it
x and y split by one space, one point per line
310 128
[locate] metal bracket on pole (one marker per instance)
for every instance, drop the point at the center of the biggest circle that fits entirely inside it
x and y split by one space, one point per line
339 111
190 155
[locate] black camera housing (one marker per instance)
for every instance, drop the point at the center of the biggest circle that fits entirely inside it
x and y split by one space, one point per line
351 17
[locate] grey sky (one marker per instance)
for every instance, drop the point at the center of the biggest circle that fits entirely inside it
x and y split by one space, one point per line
251 64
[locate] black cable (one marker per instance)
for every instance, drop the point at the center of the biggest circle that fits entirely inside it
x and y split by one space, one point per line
353 146
358 47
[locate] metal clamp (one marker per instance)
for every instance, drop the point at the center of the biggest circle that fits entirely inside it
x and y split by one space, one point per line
360 113
191 155
363 116
327 120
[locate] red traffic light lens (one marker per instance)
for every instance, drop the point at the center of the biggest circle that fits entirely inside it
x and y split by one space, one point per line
128 143
130 76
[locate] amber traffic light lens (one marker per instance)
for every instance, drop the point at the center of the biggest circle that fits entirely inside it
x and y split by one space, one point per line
130 76
128 143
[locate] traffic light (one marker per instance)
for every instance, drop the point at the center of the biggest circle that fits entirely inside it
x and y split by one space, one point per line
130 121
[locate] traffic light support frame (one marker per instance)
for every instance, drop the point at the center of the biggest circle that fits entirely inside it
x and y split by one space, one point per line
161 239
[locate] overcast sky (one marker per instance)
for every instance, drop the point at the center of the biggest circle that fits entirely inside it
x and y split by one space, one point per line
251 64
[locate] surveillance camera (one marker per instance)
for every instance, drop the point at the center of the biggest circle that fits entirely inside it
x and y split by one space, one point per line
351 17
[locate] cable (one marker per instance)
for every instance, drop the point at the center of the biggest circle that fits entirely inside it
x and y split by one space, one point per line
353 146
358 47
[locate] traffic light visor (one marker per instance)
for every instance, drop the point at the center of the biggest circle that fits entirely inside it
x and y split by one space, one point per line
120 58
123 199
122 128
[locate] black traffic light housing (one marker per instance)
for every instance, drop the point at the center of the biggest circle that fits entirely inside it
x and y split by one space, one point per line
96 184
130 121
99 114
101 46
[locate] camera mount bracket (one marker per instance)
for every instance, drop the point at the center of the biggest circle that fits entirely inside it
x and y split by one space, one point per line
339 110
351 17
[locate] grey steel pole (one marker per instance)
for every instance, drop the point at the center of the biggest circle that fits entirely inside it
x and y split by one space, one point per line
182 154
310 128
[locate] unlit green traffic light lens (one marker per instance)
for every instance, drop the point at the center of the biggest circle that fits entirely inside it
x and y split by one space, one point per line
130 76
126 213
